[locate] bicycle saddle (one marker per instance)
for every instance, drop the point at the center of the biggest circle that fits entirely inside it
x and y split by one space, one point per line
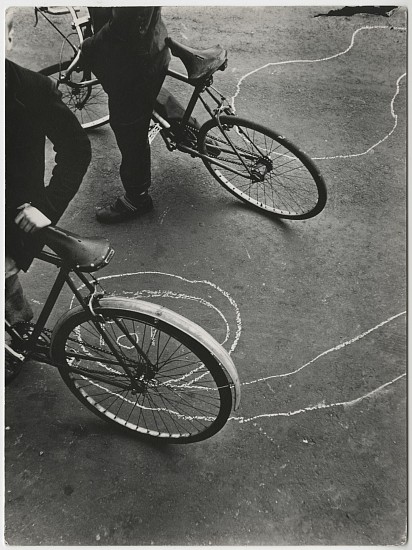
199 63
83 253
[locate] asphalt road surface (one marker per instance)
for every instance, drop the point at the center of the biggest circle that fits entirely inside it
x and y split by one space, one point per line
316 454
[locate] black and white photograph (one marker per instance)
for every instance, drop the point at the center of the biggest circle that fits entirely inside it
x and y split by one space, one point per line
205 254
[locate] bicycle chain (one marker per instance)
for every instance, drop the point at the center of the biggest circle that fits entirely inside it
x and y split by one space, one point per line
29 327
196 131
218 140
230 160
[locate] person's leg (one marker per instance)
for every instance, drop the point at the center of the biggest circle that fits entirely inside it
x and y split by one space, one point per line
16 310
16 307
135 167
130 112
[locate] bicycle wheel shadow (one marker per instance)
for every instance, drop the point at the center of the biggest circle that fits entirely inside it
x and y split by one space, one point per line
57 418
89 425
279 222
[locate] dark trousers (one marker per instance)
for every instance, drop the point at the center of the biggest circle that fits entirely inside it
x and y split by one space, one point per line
130 108
131 104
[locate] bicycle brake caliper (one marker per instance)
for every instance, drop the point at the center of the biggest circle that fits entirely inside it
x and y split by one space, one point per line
93 297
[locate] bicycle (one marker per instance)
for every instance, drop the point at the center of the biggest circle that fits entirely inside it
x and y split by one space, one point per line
136 364
255 164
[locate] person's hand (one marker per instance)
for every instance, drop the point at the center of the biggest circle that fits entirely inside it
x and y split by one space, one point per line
30 219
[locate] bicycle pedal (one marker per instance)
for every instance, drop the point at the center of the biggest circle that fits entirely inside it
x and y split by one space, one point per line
18 356
154 130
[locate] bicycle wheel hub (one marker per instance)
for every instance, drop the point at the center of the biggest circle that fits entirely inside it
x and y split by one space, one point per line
143 385
141 377
262 167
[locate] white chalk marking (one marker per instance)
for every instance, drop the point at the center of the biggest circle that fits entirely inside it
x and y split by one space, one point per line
335 348
127 340
334 56
244 420
190 281
394 116
321 59
262 432
163 215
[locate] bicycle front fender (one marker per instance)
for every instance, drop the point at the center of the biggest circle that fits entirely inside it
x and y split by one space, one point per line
161 313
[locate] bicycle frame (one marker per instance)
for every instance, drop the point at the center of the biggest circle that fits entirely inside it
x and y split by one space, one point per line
167 135
201 87
63 277
77 22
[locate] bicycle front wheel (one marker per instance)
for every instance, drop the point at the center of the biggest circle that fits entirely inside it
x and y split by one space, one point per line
88 103
147 375
262 168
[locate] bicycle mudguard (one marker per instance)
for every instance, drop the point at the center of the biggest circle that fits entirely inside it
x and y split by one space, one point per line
168 316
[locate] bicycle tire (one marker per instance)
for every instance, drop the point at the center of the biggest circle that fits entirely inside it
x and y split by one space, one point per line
186 395
263 168
89 104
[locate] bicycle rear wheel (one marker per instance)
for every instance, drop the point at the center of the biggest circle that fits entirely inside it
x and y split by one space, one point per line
88 103
148 376
262 168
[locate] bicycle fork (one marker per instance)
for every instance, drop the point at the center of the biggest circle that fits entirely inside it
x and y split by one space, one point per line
137 380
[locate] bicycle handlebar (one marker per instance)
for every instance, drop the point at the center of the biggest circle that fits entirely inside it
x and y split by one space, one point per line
54 10
77 22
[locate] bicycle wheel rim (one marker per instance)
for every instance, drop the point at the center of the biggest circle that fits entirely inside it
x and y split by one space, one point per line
271 174
188 399
89 104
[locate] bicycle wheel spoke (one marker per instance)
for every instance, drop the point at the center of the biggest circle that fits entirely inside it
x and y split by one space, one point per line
173 358
178 419
128 337
182 400
173 420
89 103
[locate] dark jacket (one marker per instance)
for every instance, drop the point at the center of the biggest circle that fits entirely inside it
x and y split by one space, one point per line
128 43
34 110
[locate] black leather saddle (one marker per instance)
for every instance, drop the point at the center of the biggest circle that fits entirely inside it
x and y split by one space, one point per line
79 252
199 63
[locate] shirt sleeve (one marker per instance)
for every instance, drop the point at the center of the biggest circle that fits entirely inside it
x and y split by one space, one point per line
73 153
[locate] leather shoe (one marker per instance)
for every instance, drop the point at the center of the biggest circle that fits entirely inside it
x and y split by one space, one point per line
120 212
